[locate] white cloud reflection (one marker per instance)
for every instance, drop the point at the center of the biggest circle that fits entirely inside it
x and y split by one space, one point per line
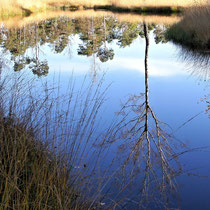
157 67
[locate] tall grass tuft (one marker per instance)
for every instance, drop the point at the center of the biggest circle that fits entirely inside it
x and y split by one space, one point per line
194 29
44 150
31 176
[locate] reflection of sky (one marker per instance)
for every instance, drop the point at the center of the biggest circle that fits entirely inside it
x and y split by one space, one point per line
172 89
174 96
130 58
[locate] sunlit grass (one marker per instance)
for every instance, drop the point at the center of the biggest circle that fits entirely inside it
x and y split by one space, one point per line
194 29
38 17
13 7
154 3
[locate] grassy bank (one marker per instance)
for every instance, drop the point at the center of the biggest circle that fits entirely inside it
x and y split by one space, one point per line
20 7
31 176
43 164
193 30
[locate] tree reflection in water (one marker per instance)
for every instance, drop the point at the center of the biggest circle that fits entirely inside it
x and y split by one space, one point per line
146 150
95 35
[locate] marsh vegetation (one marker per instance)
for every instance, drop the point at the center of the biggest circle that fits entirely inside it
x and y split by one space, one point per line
194 29
20 7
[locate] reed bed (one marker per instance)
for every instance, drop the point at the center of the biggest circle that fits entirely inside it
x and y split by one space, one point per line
194 28
44 149
155 3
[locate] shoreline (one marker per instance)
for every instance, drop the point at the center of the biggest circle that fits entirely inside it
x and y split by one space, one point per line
26 9
20 21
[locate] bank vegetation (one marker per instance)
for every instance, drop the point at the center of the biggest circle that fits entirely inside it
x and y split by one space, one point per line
21 7
43 164
194 29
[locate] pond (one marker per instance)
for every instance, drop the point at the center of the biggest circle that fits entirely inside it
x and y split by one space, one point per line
151 111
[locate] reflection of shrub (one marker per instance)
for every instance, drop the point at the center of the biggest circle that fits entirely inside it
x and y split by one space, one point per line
105 54
194 29
40 68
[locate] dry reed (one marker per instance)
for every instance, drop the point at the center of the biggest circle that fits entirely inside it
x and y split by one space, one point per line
194 29
13 7
131 18
45 149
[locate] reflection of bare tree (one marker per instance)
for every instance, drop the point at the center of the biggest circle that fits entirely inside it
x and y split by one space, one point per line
146 146
94 64
1 64
104 52
38 67
198 63
206 100
4 62
208 107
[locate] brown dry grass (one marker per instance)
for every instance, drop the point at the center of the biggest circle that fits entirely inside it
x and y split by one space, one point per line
194 29
197 19
155 3
123 17
9 7
42 162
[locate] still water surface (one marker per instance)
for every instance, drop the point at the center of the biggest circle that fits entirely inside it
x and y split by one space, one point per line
175 89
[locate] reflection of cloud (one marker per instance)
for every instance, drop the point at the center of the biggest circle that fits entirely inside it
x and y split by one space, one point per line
159 68
72 66
80 66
